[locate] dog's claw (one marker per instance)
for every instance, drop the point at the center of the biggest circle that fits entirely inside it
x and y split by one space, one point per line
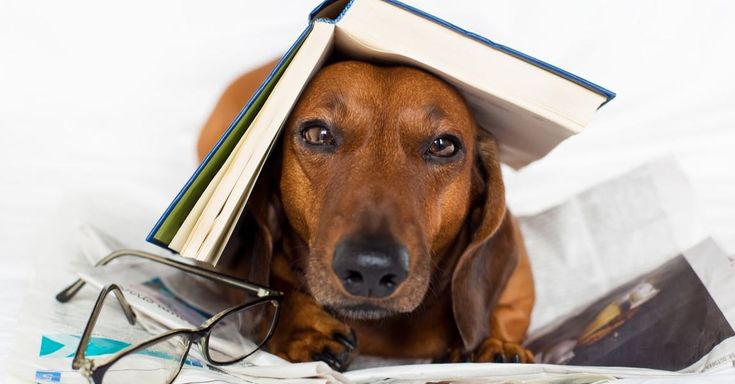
350 342
498 351
340 358
328 357
490 350
335 345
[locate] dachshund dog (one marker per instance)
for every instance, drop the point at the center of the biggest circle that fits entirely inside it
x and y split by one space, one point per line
384 220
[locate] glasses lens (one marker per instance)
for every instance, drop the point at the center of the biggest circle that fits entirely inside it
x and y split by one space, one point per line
156 364
242 332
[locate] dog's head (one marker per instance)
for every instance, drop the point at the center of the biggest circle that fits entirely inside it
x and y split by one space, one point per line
392 191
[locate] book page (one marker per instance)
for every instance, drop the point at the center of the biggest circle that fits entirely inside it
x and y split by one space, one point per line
182 235
529 109
265 131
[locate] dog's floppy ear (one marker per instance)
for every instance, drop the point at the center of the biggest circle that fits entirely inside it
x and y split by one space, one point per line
484 267
250 249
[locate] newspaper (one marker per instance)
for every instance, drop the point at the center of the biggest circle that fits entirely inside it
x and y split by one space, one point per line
669 307
689 293
50 331
607 234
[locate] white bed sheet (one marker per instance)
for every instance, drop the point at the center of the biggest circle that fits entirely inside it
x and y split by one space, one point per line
105 100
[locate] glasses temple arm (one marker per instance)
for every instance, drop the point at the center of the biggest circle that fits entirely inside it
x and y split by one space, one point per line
69 292
189 266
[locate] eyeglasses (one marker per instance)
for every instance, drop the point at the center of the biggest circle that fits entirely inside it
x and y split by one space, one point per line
246 327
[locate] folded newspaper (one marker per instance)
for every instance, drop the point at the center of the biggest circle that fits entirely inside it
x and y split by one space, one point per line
673 323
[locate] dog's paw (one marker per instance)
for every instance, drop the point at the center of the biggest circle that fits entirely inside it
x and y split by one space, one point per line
491 350
498 351
336 348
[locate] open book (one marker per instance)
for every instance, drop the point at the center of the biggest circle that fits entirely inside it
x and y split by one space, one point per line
530 106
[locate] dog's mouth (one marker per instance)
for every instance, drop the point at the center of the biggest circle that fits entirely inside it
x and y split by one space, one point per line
363 311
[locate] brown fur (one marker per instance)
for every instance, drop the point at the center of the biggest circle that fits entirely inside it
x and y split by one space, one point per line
469 292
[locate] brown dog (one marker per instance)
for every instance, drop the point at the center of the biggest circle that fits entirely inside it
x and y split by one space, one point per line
386 221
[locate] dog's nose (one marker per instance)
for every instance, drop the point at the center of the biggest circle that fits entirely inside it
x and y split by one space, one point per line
370 266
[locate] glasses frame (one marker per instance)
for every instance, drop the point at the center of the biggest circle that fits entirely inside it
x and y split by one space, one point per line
95 369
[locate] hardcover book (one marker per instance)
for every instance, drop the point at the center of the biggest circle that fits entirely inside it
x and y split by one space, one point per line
530 106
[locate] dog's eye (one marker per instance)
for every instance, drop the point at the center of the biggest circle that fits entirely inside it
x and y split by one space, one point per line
443 146
317 135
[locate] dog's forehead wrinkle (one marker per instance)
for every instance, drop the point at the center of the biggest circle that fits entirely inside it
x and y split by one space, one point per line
434 112
334 100
344 107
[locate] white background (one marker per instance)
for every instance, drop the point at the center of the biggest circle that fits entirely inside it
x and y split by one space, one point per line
101 103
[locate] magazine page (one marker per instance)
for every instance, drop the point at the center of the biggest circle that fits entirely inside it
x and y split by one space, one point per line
48 341
145 286
159 292
49 334
665 319
716 270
